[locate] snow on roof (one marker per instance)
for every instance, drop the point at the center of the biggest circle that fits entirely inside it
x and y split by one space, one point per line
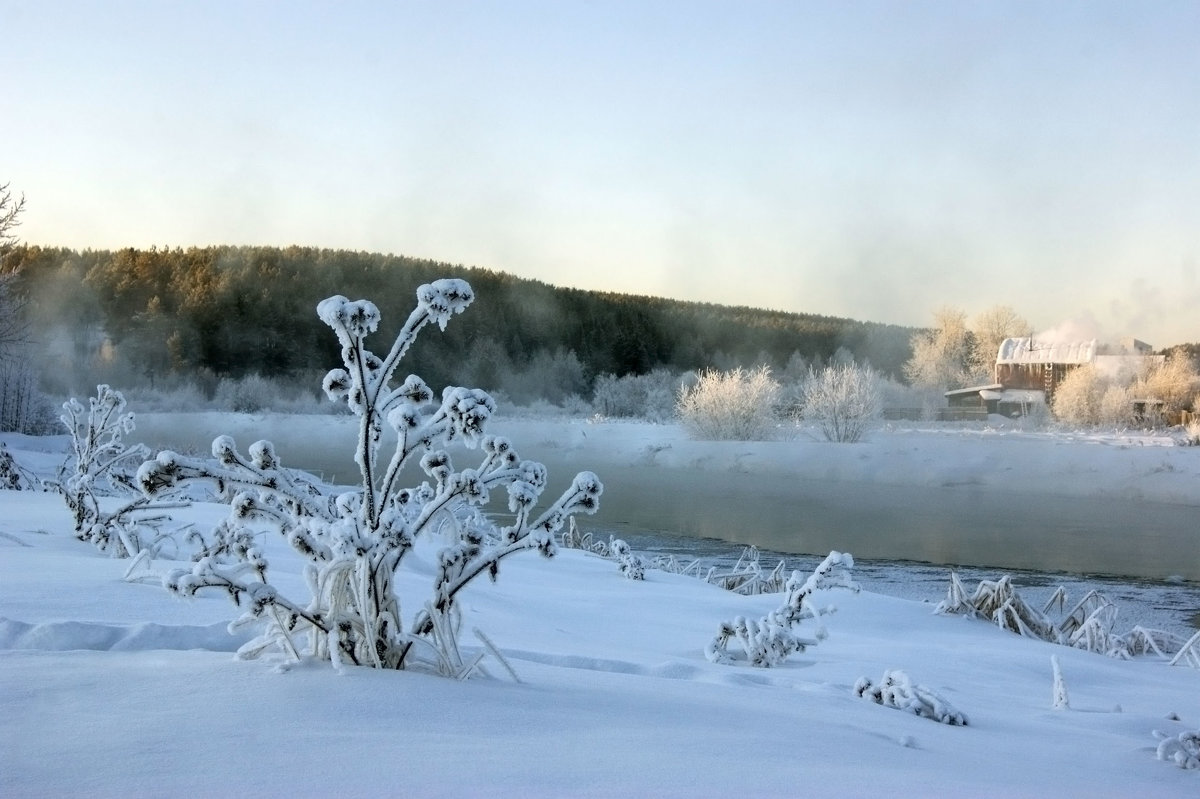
1031 350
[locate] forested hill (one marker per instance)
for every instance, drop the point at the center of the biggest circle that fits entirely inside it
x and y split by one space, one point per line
240 310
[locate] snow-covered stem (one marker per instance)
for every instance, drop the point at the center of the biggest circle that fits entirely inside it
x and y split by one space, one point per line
1061 700
354 542
100 465
769 641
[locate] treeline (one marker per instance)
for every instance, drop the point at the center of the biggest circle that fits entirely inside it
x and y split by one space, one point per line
159 314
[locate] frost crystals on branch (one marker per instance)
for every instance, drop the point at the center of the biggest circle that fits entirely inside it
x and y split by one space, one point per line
100 465
353 544
770 640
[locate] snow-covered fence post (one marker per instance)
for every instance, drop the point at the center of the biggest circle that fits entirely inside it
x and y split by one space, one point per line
354 542
100 464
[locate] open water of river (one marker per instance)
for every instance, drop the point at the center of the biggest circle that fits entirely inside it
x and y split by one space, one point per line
968 526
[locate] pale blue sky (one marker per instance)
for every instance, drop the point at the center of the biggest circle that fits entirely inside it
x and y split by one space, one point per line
872 160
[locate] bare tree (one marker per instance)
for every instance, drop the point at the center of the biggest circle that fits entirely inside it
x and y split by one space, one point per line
10 213
14 329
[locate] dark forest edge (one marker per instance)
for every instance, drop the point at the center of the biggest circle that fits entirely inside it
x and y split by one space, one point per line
161 317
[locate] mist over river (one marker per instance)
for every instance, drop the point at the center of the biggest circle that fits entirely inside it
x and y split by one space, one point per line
1004 501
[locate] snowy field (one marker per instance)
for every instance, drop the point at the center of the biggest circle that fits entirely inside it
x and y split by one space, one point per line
114 688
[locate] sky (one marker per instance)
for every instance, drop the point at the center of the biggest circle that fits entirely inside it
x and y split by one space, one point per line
872 160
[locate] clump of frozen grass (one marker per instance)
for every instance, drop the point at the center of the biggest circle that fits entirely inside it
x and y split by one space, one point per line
100 464
1089 625
769 641
13 476
897 690
748 577
354 543
730 406
1182 749
844 400
1191 433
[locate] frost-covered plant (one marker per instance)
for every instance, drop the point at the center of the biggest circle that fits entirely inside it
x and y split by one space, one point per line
630 563
13 476
353 543
843 399
1183 749
769 641
1189 653
1061 700
100 464
730 406
1191 432
747 576
997 601
897 690
650 396
1089 625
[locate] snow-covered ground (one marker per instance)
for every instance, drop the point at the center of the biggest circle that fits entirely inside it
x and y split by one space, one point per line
112 688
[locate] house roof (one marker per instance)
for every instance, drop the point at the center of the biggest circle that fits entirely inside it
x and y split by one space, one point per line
1031 350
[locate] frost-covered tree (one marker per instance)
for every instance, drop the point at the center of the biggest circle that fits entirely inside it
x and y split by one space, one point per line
941 356
1174 383
769 641
737 405
353 544
96 479
844 400
989 329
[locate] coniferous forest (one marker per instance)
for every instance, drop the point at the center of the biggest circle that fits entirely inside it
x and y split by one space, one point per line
158 315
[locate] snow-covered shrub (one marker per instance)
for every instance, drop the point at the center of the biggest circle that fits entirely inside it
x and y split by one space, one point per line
843 399
1115 408
1191 433
738 405
630 563
353 544
1077 398
649 396
1183 749
248 394
100 464
769 641
14 477
897 690
1173 383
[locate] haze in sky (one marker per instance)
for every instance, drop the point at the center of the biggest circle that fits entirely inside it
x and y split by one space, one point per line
875 160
